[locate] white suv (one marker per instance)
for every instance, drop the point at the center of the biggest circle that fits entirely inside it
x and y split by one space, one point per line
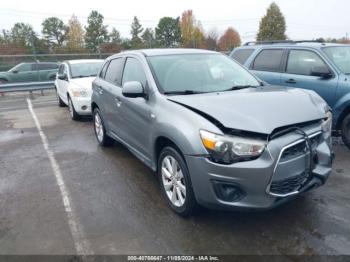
73 85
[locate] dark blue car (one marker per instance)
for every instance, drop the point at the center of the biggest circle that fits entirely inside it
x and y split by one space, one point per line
323 68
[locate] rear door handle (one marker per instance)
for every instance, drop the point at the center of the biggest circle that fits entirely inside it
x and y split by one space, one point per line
118 101
291 81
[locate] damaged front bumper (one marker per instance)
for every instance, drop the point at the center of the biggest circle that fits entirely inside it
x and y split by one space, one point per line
286 169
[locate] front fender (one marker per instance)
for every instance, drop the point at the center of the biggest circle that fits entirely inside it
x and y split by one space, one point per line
5 76
340 106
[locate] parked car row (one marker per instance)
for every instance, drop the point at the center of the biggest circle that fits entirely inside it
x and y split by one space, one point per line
215 134
30 72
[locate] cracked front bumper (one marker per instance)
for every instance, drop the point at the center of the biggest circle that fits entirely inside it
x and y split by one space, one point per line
266 182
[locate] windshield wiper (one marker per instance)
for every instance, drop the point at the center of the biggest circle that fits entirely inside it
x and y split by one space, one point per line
239 87
183 92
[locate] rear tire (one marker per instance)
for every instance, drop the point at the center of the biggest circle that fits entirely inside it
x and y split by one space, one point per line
3 81
175 182
74 115
100 130
345 130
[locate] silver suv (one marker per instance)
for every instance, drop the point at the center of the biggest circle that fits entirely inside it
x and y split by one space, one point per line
215 134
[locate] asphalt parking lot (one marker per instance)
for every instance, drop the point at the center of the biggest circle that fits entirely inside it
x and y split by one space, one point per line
112 203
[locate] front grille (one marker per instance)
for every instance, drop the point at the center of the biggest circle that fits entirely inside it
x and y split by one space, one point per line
299 149
288 185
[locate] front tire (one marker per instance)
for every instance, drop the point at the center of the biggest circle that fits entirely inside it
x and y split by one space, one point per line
175 182
345 130
100 130
59 100
74 115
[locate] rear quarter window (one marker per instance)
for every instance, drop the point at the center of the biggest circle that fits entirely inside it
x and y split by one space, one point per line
268 60
242 55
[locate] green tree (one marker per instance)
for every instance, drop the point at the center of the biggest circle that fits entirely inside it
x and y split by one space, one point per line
168 32
136 30
23 33
96 31
114 36
54 30
148 38
272 25
75 36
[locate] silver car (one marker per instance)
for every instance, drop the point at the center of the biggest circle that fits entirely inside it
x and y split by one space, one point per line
215 135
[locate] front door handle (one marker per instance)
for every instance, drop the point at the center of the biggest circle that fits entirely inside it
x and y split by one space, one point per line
118 101
291 81
99 90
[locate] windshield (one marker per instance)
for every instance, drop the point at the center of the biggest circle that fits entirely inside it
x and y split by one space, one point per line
340 55
199 73
85 69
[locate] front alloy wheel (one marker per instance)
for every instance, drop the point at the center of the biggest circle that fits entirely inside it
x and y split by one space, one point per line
175 182
74 115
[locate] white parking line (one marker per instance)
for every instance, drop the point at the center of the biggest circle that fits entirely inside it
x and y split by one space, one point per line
82 245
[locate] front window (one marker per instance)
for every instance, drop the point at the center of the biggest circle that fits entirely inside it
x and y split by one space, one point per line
21 68
85 69
340 55
302 62
199 73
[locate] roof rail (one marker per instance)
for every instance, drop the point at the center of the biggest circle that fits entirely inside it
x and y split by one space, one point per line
281 42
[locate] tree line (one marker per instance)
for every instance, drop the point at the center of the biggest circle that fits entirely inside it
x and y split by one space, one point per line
95 37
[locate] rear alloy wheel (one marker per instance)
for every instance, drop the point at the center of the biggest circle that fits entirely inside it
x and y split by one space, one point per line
74 115
175 182
345 130
100 131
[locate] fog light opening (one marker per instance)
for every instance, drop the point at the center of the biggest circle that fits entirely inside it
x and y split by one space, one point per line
228 192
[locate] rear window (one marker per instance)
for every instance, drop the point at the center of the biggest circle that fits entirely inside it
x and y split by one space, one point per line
268 60
47 66
242 55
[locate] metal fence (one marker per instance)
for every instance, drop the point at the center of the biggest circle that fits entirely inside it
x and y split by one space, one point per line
9 61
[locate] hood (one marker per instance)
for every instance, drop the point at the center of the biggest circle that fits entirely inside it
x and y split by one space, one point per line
259 110
84 82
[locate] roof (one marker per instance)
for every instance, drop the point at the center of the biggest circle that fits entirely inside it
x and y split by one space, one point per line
169 51
311 44
83 61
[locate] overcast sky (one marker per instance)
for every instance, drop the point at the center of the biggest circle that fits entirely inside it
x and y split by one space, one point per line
306 19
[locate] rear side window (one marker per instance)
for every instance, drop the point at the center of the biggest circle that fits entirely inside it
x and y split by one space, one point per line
242 55
103 71
301 62
133 71
114 71
268 60
47 66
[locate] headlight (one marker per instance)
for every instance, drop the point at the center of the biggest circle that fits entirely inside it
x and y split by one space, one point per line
230 149
80 93
327 122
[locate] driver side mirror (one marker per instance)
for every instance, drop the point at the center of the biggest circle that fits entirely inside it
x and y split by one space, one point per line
63 77
133 89
321 71
15 71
